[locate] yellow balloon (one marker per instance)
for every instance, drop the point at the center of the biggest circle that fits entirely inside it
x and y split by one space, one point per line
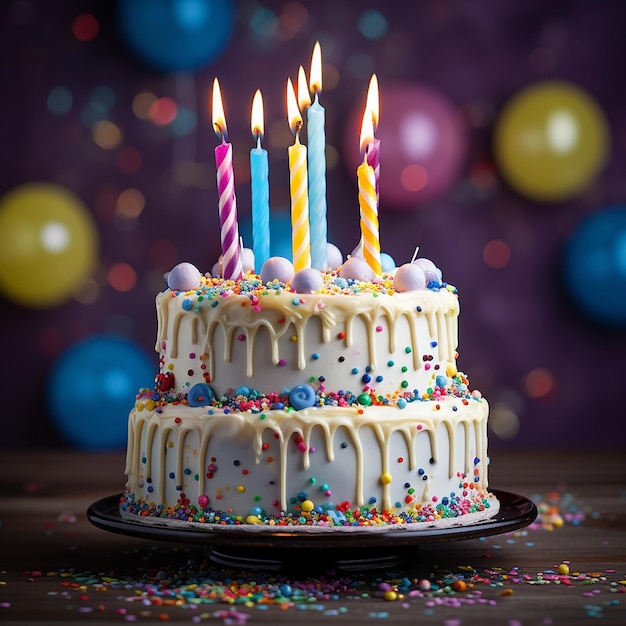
48 244
551 141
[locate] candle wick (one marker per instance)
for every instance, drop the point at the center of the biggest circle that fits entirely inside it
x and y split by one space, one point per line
220 131
258 139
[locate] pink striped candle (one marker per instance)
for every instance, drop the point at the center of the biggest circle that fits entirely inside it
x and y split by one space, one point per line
232 268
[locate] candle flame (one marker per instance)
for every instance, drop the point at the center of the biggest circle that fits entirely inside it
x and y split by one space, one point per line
316 69
372 102
293 114
256 119
367 129
304 98
217 112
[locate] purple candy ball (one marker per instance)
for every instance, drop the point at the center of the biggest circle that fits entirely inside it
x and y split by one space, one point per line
307 280
277 268
183 277
409 277
356 268
432 272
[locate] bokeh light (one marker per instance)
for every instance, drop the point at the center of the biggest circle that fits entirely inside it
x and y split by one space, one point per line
142 103
122 277
107 135
85 27
162 111
414 177
59 101
538 383
372 24
504 421
292 19
130 203
497 254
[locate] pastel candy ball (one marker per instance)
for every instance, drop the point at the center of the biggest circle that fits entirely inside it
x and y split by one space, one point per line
200 395
277 268
358 251
387 262
307 280
431 271
183 277
302 397
409 277
334 258
356 268
247 259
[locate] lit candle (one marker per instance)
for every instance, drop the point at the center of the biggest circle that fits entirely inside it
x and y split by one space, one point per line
368 201
231 250
373 147
300 237
316 140
259 176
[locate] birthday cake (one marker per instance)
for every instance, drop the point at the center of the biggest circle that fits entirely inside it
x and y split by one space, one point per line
330 402
307 399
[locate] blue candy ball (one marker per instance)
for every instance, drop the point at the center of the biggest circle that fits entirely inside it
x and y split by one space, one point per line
302 397
200 395
441 381
387 262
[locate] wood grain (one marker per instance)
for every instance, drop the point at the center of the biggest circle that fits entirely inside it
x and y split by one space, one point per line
53 561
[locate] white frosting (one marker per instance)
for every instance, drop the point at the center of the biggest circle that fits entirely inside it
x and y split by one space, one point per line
284 339
420 448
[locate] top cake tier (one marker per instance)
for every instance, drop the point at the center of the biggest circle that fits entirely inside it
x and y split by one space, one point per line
347 339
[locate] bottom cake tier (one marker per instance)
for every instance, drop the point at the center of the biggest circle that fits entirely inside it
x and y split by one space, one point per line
323 467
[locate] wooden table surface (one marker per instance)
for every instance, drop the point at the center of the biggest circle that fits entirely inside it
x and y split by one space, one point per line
56 566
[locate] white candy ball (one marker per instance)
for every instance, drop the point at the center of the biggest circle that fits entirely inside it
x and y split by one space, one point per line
334 256
356 268
183 277
277 268
216 270
431 271
358 251
307 280
247 259
409 277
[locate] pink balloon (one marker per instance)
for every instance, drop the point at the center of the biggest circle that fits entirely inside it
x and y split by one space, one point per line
423 144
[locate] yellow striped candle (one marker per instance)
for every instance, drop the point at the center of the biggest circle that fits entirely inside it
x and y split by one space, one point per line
368 200
300 235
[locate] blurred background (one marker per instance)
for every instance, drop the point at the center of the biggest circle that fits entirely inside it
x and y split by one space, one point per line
503 150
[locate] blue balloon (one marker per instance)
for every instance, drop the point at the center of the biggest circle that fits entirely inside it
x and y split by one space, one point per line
92 388
176 35
595 266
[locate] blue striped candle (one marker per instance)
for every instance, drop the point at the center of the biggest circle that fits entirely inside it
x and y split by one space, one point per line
259 178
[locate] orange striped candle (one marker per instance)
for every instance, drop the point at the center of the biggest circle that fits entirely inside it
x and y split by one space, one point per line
300 234
368 200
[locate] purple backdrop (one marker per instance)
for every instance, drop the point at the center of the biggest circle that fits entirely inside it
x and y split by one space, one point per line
550 372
